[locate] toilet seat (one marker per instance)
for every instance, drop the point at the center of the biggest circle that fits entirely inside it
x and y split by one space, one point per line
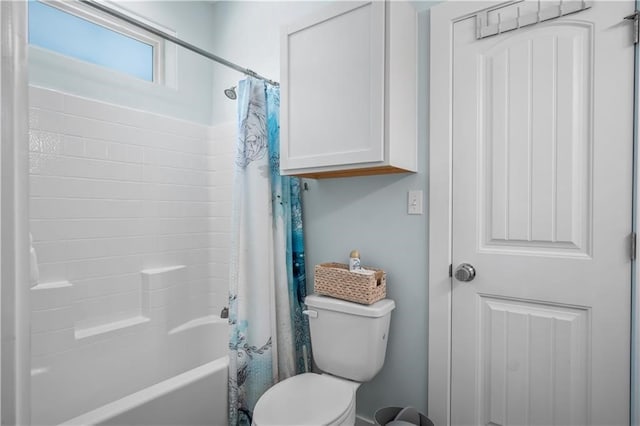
306 399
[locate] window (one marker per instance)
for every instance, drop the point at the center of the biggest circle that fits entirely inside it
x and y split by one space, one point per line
75 30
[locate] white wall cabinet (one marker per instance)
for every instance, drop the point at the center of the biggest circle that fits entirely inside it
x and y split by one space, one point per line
349 91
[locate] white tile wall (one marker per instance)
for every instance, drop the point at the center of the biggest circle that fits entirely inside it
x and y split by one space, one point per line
115 191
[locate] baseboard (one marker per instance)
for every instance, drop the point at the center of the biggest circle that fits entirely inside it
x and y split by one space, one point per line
363 421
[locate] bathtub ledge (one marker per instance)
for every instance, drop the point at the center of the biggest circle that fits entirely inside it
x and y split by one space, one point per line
209 319
87 332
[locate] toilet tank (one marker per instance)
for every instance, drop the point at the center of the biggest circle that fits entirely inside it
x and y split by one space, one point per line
348 339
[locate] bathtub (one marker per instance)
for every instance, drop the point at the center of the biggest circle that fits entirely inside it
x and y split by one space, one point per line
196 397
169 376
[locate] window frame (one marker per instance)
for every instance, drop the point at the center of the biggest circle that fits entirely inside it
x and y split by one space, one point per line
97 17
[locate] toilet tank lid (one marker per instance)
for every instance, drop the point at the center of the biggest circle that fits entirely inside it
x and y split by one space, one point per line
378 309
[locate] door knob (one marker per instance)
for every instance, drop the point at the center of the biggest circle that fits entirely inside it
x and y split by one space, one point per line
465 272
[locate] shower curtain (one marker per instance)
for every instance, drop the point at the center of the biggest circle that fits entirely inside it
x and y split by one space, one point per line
269 338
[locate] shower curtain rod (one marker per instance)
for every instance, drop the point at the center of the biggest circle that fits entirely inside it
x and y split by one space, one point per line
96 5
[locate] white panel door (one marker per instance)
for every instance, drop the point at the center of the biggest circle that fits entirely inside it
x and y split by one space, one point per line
542 175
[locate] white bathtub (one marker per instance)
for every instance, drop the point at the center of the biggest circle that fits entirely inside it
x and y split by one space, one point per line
196 397
165 377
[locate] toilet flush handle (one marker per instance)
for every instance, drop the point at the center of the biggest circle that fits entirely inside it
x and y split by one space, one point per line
310 314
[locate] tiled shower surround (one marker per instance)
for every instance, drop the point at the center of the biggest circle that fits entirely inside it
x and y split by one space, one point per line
130 216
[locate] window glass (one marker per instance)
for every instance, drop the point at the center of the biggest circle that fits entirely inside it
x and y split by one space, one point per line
70 35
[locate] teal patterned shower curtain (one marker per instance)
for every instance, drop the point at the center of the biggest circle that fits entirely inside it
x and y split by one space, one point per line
269 338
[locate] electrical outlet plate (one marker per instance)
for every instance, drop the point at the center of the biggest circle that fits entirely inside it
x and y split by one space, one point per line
414 202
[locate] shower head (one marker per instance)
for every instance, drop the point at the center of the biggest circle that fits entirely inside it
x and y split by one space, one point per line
231 93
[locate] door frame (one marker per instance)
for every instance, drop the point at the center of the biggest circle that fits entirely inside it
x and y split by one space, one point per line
635 275
442 18
14 216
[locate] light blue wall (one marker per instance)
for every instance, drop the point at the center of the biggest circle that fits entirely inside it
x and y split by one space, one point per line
367 213
248 34
191 96
370 214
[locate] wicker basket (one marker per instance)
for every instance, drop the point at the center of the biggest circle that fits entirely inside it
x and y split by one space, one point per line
335 280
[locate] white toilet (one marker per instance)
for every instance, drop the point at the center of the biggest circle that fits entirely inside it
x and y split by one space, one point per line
349 343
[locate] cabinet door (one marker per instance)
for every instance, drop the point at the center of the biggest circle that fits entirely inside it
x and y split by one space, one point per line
332 94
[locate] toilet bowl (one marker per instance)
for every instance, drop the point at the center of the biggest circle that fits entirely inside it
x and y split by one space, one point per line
349 343
308 399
